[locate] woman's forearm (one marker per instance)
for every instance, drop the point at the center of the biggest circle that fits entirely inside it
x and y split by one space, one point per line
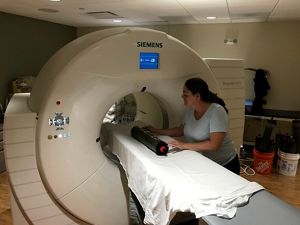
202 146
212 144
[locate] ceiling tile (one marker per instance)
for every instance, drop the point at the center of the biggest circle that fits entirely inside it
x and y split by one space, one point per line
151 12
250 11
286 9
253 6
205 8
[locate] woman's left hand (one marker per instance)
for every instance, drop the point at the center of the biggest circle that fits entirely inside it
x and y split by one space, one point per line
177 144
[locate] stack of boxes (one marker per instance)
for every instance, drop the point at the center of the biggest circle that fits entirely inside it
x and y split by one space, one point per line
230 77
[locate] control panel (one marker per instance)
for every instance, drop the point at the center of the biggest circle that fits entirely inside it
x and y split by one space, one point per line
59 121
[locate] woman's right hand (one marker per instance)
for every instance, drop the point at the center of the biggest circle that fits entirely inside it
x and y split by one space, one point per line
151 128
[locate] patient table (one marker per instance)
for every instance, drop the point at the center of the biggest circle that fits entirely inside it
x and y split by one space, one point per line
263 208
186 181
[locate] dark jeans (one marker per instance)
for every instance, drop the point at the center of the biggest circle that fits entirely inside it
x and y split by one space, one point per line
234 165
190 222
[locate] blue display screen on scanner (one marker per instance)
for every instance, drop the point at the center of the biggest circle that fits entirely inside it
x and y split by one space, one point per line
149 60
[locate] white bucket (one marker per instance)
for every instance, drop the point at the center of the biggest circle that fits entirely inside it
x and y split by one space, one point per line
287 163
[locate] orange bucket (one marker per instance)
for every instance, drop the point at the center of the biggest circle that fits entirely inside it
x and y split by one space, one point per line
263 162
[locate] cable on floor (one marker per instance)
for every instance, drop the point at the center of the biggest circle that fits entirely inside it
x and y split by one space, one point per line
245 165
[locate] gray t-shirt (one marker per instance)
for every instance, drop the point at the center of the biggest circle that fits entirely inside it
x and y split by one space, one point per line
215 119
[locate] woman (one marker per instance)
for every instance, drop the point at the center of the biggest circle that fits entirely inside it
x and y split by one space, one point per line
205 126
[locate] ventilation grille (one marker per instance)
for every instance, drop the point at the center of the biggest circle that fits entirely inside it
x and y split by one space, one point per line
103 15
178 18
249 15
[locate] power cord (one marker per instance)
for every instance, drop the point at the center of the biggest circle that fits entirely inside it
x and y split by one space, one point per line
245 165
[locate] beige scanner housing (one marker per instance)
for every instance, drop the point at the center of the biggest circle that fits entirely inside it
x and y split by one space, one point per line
58 172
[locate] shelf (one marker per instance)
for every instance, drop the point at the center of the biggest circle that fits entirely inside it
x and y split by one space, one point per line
273 113
270 118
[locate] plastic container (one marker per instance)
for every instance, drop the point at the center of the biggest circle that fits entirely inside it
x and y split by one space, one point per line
287 163
263 162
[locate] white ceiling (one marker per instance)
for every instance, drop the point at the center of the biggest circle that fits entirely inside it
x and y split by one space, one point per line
79 13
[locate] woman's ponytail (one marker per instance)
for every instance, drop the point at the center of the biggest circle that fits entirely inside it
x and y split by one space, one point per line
214 98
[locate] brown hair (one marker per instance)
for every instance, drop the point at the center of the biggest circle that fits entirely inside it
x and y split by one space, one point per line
197 85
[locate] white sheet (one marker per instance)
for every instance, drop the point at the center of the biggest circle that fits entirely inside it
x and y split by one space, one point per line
182 181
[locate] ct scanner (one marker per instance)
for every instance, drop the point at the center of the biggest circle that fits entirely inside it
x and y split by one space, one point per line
57 170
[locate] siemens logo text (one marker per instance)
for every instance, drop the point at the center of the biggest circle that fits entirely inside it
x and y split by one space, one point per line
144 44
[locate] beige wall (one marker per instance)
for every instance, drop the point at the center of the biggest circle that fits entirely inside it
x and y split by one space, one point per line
25 46
271 46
